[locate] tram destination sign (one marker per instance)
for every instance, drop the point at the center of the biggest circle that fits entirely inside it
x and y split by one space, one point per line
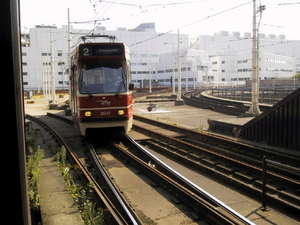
101 50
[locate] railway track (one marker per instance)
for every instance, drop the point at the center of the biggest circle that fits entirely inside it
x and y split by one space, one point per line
206 207
230 107
232 162
120 213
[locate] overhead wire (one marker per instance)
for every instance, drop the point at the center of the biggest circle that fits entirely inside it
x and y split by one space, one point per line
192 23
170 31
101 15
127 4
96 13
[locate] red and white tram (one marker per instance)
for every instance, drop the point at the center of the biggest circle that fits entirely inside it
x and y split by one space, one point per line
101 89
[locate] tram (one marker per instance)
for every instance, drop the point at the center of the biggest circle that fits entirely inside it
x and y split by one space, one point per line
100 87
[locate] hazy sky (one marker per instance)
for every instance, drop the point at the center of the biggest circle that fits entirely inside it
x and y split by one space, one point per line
193 17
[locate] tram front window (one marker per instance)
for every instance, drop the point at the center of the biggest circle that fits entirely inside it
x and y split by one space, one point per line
96 80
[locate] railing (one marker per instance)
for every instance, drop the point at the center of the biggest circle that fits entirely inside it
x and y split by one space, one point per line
265 163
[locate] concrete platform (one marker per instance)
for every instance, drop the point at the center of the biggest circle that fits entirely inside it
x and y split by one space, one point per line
57 205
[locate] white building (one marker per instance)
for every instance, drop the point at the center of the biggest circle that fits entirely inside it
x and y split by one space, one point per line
144 42
37 61
193 67
221 59
231 57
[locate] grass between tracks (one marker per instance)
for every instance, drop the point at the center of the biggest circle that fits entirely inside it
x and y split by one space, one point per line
33 160
83 196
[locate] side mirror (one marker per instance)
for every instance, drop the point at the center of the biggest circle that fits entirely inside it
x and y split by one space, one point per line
131 87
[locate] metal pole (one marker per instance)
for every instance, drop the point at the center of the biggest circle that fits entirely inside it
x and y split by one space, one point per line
52 69
69 48
186 72
43 79
173 67
47 78
150 81
254 108
179 71
264 182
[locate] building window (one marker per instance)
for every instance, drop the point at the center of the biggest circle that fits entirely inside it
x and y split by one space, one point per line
25 83
25 73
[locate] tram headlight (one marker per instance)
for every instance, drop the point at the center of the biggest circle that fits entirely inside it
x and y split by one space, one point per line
120 112
88 113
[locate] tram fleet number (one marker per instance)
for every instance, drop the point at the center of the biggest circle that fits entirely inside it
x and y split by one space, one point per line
105 113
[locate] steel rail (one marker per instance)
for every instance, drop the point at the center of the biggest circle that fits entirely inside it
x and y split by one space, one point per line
237 162
259 151
187 191
64 119
115 196
119 219
233 170
223 212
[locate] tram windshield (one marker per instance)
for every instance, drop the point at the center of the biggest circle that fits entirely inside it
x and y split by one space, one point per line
95 79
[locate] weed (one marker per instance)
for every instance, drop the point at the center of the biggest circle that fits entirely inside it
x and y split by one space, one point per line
33 135
83 196
33 174
200 128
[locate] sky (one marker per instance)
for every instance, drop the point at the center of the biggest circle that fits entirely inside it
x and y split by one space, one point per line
193 17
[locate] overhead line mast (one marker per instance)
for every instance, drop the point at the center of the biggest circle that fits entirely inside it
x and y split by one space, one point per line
254 108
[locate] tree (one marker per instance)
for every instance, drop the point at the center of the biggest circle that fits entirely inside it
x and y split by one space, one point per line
296 76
